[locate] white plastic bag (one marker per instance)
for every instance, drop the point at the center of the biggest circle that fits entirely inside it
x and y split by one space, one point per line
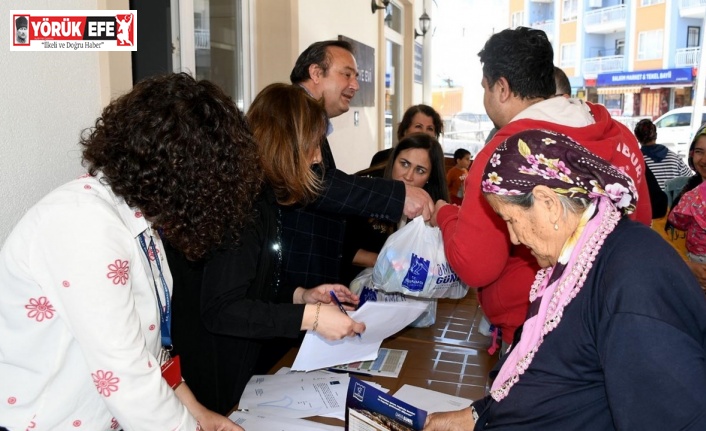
362 286
413 262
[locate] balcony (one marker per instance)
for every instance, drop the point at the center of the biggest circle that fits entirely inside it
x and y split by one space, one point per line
692 8
202 38
547 26
606 20
595 65
687 57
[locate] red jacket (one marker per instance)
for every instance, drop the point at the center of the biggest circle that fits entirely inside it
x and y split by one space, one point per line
476 240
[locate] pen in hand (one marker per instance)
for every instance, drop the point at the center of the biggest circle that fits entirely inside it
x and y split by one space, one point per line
340 306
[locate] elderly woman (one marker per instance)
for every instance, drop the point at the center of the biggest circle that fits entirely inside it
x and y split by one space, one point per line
615 336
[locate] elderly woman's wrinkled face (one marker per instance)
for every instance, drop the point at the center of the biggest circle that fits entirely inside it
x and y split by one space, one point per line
530 227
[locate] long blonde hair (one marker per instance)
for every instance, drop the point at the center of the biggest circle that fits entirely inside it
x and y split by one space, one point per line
288 126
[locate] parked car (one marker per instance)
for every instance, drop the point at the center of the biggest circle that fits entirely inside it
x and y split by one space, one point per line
450 143
470 125
674 130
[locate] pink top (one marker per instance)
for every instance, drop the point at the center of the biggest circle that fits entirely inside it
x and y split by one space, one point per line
690 216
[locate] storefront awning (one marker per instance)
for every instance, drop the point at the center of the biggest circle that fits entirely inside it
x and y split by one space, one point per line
619 90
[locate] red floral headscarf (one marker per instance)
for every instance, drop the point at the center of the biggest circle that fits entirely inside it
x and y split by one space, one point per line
540 157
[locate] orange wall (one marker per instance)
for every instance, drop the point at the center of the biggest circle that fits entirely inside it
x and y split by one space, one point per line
516 5
567 32
447 101
648 18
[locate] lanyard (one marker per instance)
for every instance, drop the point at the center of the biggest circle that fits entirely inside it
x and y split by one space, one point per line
165 313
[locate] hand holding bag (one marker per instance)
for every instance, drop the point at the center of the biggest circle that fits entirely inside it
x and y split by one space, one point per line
413 262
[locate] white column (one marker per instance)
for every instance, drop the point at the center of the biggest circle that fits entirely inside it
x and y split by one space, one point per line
700 84
427 53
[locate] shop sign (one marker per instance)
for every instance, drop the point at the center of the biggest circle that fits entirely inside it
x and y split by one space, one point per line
646 77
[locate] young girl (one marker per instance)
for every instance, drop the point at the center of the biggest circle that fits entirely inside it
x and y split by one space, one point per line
688 212
689 215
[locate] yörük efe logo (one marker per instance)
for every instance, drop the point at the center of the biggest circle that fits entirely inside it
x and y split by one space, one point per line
92 30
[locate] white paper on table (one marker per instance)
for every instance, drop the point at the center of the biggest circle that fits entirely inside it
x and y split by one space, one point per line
431 401
287 370
292 378
295 395
382 320
260 422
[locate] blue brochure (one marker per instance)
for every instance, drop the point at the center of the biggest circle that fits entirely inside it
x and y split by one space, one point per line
369 409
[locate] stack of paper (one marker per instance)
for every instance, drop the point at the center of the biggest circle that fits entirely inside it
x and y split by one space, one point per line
387 364
382 320
296 395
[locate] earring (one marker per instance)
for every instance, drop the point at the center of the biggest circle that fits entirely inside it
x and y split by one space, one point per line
556 226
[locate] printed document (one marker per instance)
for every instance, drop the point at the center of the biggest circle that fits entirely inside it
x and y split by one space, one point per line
295 395
382 320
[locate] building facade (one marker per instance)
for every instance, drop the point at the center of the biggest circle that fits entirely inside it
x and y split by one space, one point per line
637 57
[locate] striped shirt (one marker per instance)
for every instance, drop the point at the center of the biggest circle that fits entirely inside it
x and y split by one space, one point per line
670 167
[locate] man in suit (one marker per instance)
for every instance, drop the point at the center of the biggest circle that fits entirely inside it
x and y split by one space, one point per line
312 236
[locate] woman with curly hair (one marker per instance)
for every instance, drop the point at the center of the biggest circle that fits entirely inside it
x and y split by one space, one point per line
85 284
235 313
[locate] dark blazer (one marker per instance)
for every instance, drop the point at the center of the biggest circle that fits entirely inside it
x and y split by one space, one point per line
230 310
312 236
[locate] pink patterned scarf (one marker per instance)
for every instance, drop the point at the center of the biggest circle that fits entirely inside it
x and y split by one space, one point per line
555 288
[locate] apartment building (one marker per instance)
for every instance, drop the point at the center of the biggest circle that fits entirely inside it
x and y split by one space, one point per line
637 57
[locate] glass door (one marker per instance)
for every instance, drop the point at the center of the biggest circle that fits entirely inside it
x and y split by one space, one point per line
212 42
393 73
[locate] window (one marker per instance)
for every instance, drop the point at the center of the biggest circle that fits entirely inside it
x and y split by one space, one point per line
518 19
219 48
619 46
693 35
650 2
570 10
568 55
649 45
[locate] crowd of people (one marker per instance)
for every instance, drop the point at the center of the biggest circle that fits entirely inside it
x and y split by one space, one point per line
206 240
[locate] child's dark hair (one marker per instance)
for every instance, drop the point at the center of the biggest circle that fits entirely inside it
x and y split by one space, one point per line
461 153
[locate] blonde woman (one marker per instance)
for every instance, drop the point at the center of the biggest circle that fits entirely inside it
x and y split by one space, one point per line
235 312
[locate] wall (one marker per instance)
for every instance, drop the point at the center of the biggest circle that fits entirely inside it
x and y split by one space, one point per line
649 18
46 99
353 146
